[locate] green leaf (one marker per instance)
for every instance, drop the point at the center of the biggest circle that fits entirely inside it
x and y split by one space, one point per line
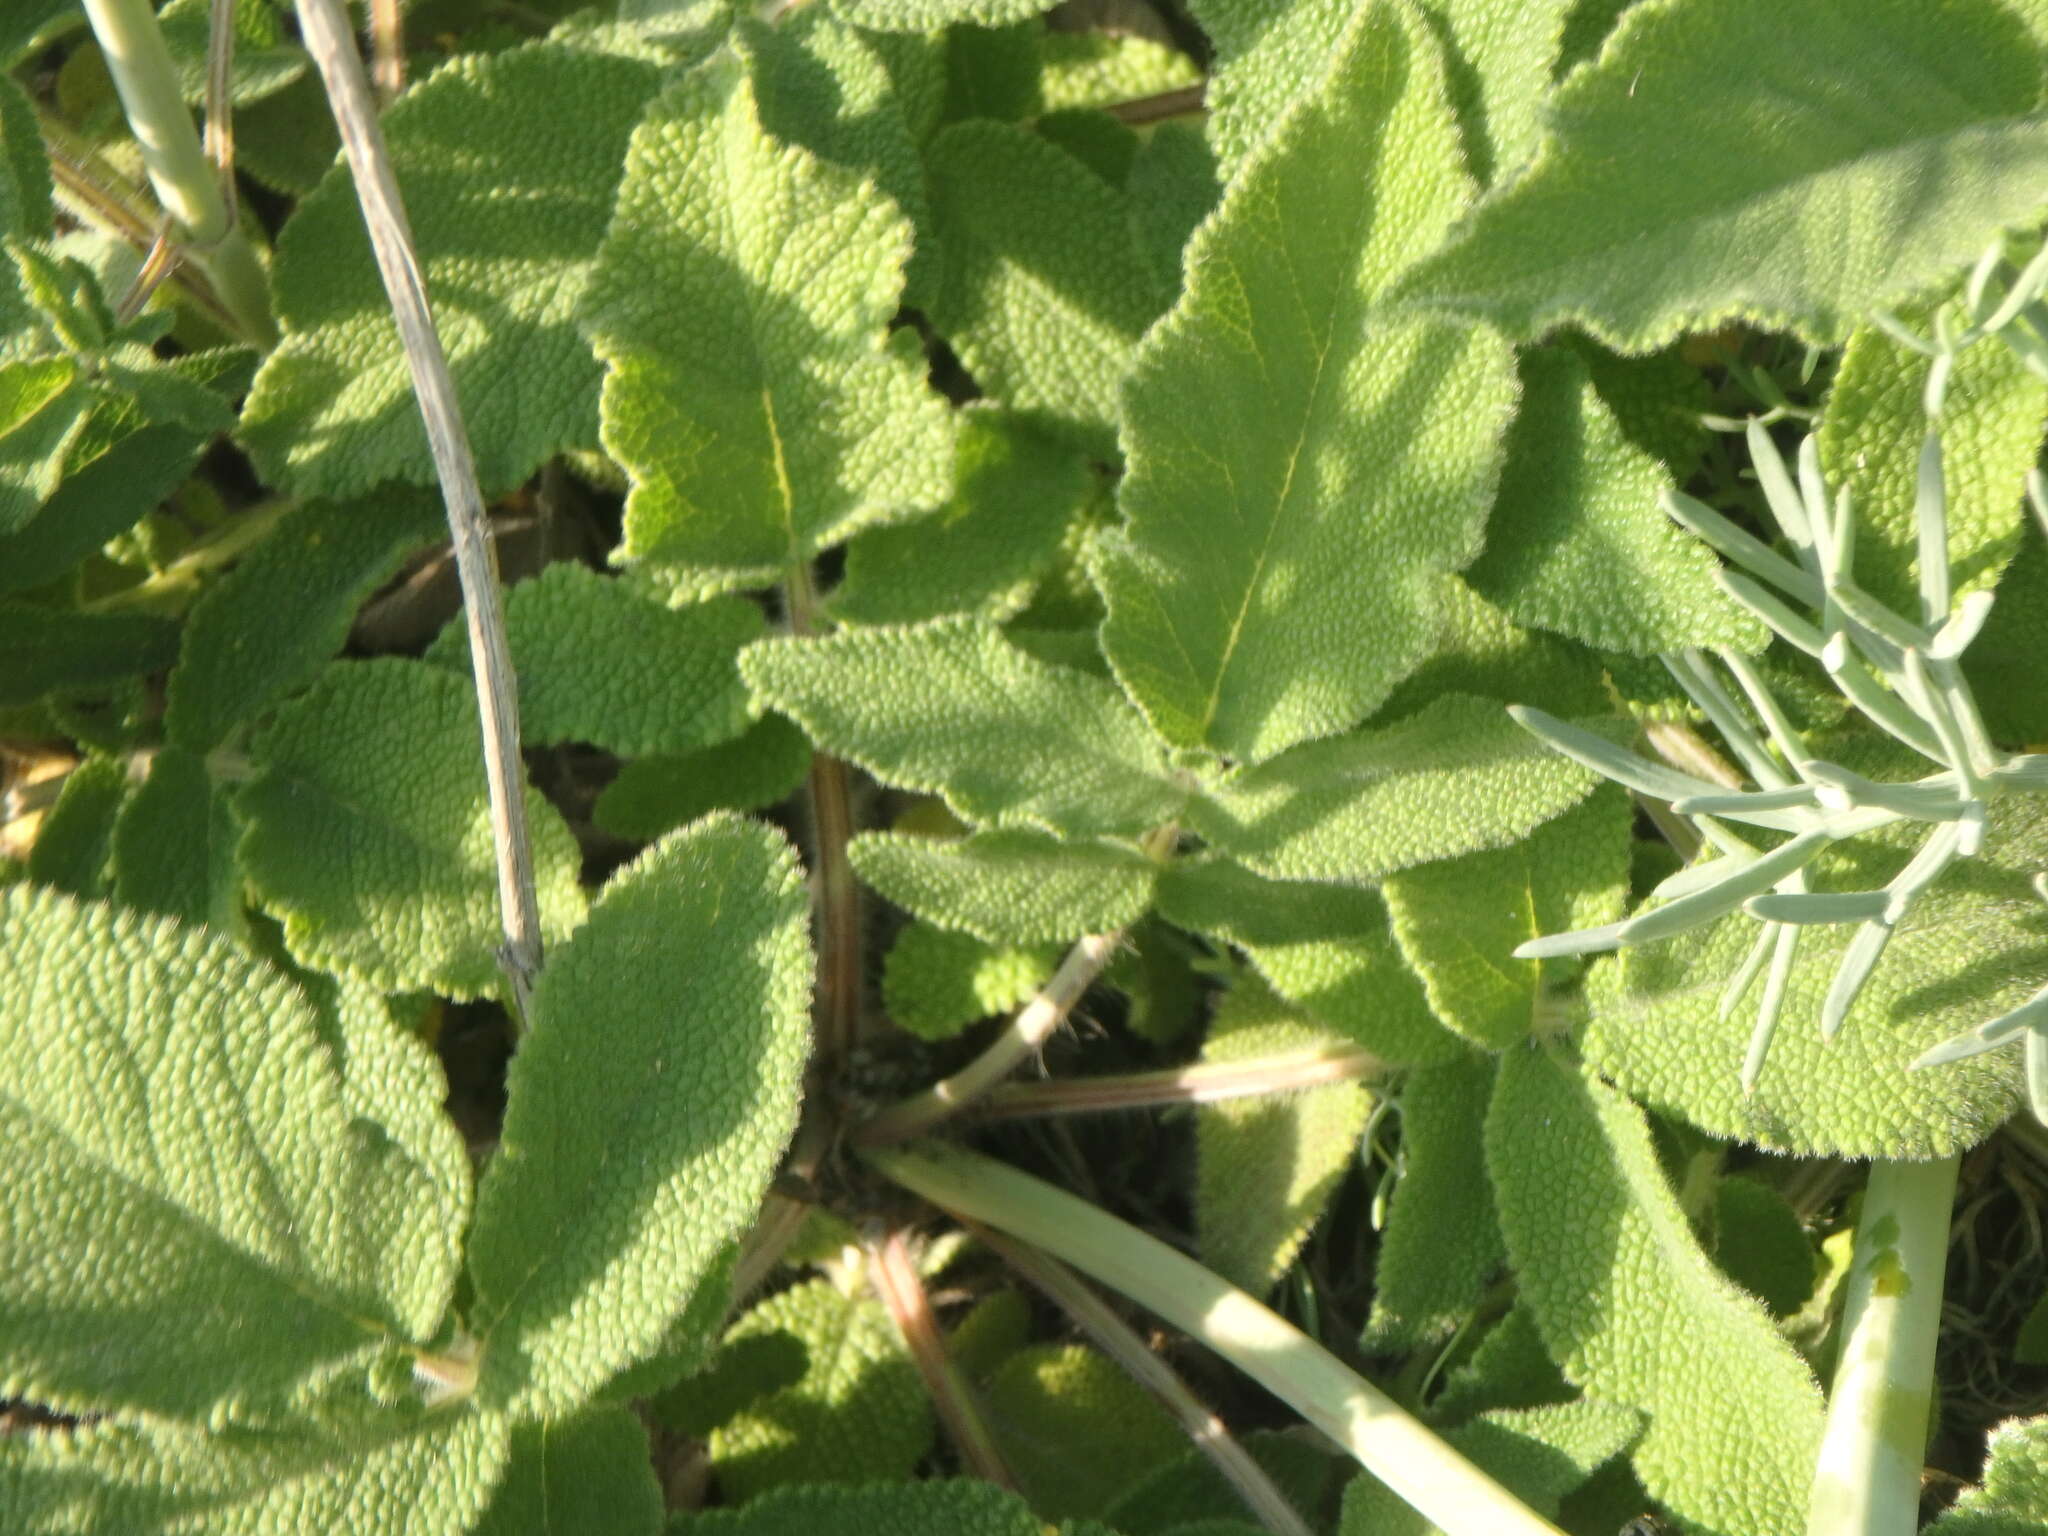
603 663
268 626
418 1477
174 846
1636 1313
1510 1369
24 164
1302 475
1190 1487
370 836
740 304
1870 440
1816 163
1266 1167
764 764
1325 948
855 1413
936 982
915 1509
1268 58
930 15
1458 921
1075 1429
46 650
96 502
1577 542
1104 69
1172 188
506 220
589 1472
43 407
992 72
1762 1246
623 1172
1441 1244
952 708
75 842
189 1214
1044 291
2013 1500
2002 668
1012 886
985 550
1455 777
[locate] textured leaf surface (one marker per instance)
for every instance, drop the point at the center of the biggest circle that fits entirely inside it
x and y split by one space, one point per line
508 163
1457 776
740 304
984 551
174 846
952 708
1326 948
589 1472
855 1413
930 15
755 769
1266 1166
44 650
1761 1244
1636 1312
369 831
188 1214
269 625
916 1509
1577 542
1011 886
1103 69
622 1172
936 982
1301 474
1074 1428
1442 1240
2013 1500
75 842
1814 164
599 662
1044 291
1973 946
1190 1488
1458 921
97 501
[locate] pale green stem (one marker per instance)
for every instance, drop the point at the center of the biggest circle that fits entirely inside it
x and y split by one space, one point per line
1867 1481
187 182
169 590
1388 1442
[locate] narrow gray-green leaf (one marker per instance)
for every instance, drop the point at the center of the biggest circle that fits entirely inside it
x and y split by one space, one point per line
1010 886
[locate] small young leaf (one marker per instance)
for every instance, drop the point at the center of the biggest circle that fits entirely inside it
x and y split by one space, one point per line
915 1509
599 662
936 982
75 843
2013 1500
1636 1313
587 1473
740 303
44 405
47 650
370 835
1510 1369
1761 1245
174 846
1442 1240
1266 1167
1012 886
1105 69
855 1413
270 624
1822 162
764 764
1302 475
1075 1429
952 708
508 163
623 1172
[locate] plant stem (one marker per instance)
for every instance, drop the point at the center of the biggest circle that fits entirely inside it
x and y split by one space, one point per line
324 25
185 179
1202 1083
1117 1339
170 589
1397 1449
1867 1481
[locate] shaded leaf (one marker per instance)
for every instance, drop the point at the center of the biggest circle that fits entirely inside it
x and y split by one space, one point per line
764 764
589 1472
1074 1428
1010 886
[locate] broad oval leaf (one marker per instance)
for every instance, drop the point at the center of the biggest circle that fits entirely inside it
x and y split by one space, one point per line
1009 886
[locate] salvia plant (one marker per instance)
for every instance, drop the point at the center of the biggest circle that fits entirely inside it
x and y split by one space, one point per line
979 767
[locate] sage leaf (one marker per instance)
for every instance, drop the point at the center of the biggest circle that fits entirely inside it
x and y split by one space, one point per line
174 844
589 1472
1010 886
935 1508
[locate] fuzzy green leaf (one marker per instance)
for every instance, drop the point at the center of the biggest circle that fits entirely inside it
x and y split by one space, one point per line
1044 292
46 650
24 164
1458 921
1326 948
1442 1240
44 405
506 220
98 500
856 1412
270 624
1172 187
916 1509
953 708
1190 1487
1104 69
623 1172
754 770
370 837
1266 1167
983 552
174 846
1012 886
599 662
1510 1369
936 982
1762 1246
75 844
1075 1429
1636 1312
930 15
191 1216
1577 542
1815 163
2013 1500
1455 777
586 1473
740 303
1302 475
